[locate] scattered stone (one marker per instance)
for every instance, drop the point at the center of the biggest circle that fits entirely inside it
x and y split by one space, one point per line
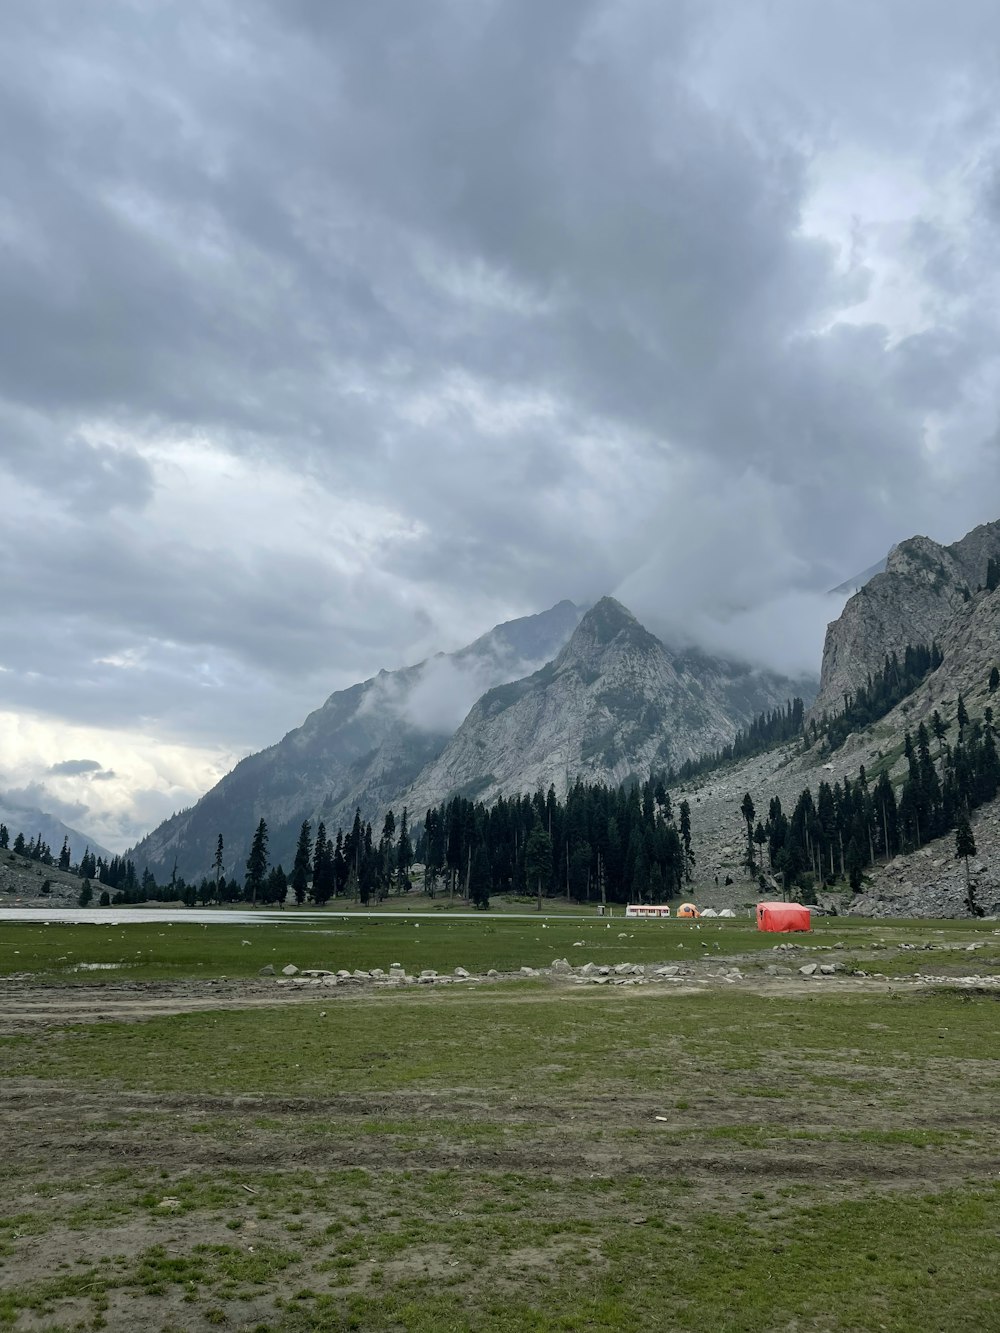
267 970
623 969
561 965
461 972
529 971
827 969
492 972
669 971
290 971
809 969
344 975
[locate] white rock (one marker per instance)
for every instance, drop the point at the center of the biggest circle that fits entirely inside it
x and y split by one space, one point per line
290 971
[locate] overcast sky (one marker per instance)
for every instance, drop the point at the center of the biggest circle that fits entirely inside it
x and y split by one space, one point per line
333 333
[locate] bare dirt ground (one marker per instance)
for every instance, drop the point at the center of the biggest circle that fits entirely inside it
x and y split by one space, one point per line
28 1005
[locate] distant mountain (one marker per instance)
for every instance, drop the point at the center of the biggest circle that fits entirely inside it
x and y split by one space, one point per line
32 823
362 748
615 703
923 587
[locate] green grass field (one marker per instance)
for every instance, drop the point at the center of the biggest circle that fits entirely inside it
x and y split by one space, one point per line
511 1156
163 952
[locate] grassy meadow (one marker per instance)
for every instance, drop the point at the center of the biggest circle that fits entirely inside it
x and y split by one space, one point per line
509 1156
159 952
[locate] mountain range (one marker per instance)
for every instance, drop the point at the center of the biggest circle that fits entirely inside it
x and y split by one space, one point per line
33 823
537 701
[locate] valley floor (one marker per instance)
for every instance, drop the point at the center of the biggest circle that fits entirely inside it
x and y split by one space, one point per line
767 1151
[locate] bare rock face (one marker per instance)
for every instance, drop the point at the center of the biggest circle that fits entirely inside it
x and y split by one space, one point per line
924 587
615 703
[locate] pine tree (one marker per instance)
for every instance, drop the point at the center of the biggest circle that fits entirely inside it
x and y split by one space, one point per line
747 810
4 837
404 854
538 859
257 862
64 859
684 812
479 879
217 863
965 845
994 682
303 861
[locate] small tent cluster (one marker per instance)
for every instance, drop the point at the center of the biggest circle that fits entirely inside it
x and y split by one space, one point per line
783 917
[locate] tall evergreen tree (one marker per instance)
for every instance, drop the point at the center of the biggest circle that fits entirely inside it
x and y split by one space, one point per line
747 811
302 863
965 846
538 859
257 862
404 854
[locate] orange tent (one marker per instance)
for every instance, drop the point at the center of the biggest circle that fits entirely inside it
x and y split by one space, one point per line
783 916
687 911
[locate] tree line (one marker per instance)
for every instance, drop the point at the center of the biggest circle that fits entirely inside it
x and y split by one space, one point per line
849 826
884 689
767 730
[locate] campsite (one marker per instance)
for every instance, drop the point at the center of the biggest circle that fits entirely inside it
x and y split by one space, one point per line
738 1144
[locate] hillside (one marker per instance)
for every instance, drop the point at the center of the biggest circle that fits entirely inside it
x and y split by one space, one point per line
362 748
928 881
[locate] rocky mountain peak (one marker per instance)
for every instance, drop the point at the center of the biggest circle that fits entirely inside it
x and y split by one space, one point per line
924 586
608 623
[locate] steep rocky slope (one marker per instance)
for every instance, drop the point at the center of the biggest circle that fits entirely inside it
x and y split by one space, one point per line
922 589
930 880
615 703
363 747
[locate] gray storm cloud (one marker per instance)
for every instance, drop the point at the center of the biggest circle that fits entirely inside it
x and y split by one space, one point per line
334 334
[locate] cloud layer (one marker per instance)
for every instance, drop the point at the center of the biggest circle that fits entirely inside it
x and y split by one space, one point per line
334 334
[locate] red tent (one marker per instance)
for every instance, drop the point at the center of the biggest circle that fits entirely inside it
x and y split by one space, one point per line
783 916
